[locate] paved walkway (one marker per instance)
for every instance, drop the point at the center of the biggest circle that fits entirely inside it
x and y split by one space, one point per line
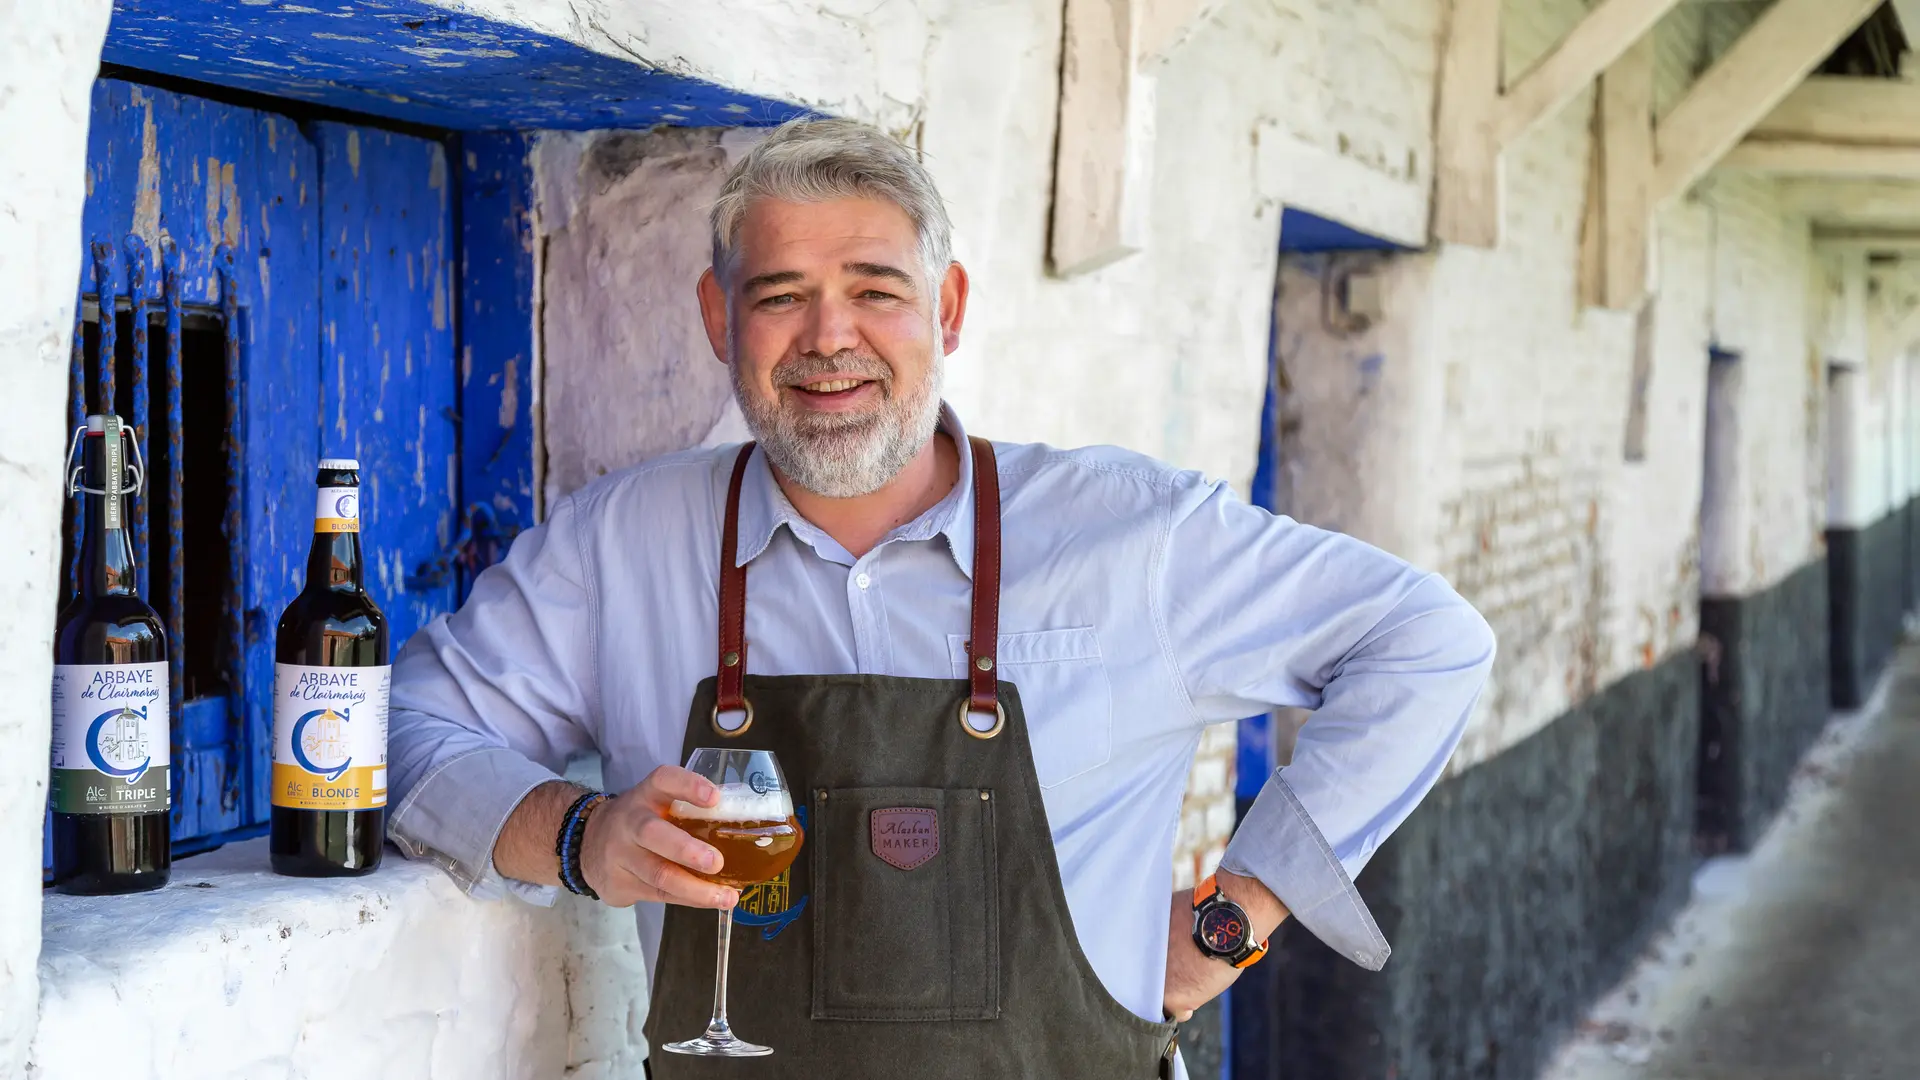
1801 961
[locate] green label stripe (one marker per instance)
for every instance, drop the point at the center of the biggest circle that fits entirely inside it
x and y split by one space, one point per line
89 791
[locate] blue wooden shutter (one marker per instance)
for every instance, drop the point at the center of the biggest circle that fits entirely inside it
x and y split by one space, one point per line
323 254
389 386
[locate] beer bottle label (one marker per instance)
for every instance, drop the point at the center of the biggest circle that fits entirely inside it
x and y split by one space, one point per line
330 736
337 510
112 739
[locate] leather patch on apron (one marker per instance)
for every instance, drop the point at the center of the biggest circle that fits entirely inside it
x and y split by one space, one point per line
905 836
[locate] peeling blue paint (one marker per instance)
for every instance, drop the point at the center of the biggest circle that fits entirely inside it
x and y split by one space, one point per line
388 378
495 329
412 61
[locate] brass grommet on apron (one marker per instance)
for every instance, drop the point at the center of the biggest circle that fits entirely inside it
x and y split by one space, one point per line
966 720
729 733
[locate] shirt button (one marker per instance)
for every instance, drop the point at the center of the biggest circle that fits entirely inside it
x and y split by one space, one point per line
863 580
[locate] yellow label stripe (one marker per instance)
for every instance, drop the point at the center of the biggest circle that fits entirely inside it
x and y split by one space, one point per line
363 787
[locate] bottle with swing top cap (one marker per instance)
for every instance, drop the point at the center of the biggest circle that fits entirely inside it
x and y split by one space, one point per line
112 730
330 680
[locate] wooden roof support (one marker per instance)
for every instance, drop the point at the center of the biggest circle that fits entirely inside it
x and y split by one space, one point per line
1838 127
1785 44
1846 109
1615 265
1812 157
1603 36
1477 121
1104 161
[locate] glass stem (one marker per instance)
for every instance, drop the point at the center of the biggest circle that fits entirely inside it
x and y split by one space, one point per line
717 1028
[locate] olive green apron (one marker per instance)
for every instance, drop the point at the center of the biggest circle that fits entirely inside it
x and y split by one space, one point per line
923 931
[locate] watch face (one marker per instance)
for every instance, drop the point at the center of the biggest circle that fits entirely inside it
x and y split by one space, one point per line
1223 929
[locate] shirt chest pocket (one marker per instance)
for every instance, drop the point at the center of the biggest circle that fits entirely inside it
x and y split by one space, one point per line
1065 691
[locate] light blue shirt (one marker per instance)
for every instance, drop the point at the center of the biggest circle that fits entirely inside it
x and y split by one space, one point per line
1140 603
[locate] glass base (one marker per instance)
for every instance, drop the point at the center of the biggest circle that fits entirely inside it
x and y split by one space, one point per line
723 1046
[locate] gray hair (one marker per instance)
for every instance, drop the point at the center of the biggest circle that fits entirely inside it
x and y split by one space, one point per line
820 159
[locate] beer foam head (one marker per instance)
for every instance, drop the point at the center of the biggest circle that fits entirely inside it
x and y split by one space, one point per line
738 802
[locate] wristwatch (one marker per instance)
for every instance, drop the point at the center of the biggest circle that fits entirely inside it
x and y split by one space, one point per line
1221 927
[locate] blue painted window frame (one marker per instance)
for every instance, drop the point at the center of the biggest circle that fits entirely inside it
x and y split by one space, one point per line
231 222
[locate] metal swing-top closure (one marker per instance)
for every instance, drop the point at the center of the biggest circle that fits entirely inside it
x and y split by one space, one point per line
119 437
981 714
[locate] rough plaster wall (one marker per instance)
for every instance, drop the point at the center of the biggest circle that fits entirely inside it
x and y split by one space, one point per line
48 54
626 368
235 973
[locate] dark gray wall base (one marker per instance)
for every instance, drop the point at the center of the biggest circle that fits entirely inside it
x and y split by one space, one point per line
1912 516
1517 893
1764 696
1867 590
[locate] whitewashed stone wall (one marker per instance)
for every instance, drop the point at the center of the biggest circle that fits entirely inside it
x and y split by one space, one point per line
48 54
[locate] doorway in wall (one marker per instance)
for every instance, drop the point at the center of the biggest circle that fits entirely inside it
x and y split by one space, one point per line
1721 640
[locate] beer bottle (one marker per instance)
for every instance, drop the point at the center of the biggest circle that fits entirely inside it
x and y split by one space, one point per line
330 679
112 733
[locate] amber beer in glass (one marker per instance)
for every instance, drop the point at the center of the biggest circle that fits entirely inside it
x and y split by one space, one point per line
111 700
754 830
755 833
330 680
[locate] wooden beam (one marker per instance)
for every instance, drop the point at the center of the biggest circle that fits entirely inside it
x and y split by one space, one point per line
1103 163
1616 232
1466 207
1851 203
1762 68
1805 157
1846 109
1095 189
1626 132
1873 239
1602 37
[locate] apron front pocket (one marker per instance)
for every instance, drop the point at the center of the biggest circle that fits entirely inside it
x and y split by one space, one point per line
906 924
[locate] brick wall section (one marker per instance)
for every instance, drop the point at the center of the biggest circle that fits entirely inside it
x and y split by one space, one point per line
1206 820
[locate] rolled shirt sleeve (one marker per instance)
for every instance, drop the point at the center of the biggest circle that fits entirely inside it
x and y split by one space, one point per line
1264 612
492 701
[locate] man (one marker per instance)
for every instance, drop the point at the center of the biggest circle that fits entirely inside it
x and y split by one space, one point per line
1015 646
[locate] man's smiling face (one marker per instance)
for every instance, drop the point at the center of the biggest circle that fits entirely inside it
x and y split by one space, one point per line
833 332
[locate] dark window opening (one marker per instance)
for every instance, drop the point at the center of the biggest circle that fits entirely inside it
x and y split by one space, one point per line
200 554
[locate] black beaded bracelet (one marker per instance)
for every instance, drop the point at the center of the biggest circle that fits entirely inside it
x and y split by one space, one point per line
573 829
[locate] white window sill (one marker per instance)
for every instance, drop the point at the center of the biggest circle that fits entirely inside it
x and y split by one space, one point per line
232 971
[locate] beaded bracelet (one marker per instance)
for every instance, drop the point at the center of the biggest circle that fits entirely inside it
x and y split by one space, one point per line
573 829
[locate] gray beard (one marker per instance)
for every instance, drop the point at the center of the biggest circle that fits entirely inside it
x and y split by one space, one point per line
846 457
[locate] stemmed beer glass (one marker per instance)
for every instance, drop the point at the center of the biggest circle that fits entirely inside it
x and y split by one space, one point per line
754 830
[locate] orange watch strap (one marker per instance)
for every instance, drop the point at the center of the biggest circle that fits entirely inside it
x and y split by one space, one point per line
1204 890
1253 957
1201 894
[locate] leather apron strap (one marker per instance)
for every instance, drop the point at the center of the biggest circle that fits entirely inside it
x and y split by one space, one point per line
982 716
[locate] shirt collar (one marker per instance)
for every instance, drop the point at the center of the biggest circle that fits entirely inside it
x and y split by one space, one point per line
764 508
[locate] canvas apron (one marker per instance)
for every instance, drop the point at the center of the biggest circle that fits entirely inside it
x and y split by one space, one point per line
923 931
